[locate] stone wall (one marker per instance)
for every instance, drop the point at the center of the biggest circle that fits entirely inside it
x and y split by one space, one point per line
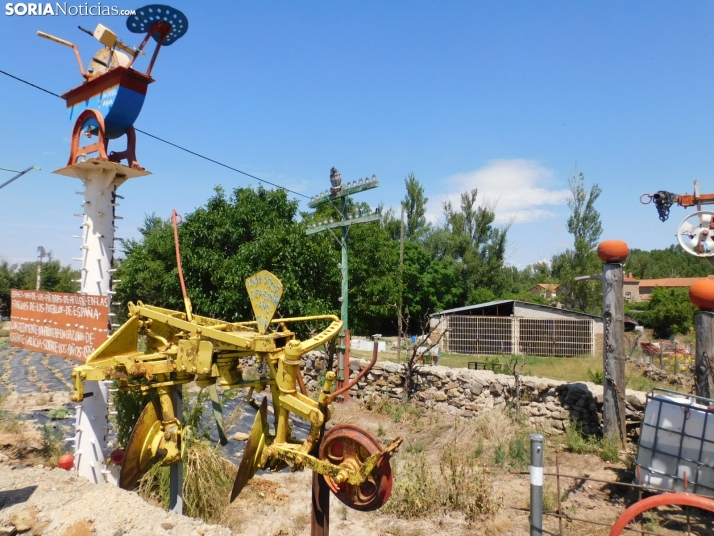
549 404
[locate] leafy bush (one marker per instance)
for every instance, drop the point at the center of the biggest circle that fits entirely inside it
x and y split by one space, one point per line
608 449
51 443
58 414
596 376
128 404
669 312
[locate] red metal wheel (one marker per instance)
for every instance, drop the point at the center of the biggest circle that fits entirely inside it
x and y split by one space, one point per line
667 499
348 446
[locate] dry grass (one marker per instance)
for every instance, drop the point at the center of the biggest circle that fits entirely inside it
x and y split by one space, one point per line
207 480
447 465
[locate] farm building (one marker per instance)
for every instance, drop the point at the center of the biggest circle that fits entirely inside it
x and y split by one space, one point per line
516 327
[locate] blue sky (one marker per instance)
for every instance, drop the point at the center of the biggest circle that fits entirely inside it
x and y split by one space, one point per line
507 97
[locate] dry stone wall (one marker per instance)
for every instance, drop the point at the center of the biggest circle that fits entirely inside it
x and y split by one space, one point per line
550 405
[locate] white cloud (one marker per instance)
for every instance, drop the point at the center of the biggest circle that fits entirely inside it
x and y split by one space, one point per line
519 188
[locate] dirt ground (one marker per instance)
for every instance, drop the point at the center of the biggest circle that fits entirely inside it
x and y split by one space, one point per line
279 504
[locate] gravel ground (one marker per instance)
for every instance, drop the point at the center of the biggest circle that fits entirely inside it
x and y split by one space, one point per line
58 502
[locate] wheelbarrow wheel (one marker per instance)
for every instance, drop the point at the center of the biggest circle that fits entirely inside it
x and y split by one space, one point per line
89 122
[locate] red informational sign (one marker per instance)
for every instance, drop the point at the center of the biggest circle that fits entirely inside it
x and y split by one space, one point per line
67 325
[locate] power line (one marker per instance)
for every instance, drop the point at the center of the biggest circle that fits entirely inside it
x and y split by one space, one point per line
170 143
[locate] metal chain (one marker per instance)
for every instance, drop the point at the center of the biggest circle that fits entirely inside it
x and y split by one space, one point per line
663 201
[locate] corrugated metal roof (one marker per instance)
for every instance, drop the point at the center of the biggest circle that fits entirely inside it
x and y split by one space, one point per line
503 302
469 307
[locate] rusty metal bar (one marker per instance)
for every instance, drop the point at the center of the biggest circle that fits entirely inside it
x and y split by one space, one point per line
359 376
320 506
560 505
580 520
635 486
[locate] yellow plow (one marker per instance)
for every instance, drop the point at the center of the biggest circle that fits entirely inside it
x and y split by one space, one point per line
182 347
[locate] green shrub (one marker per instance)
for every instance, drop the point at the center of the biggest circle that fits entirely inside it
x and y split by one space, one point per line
576 441
207 475
519 451
608 449
128 403
499 455
416 492
51 443
467 488
58 413
596 376
414 447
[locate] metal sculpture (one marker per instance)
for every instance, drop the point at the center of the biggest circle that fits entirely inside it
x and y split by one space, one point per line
183 347
108 102
695 233
105 107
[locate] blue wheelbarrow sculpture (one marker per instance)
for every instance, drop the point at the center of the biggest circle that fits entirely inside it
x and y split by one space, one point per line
109 100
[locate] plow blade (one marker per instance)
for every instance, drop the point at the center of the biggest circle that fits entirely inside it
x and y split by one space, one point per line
253 451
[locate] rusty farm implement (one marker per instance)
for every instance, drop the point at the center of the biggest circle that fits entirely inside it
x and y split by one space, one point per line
181 348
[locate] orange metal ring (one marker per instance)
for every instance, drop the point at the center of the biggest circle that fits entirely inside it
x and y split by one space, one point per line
679 499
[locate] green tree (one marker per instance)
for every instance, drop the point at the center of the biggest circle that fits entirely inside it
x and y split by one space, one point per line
55 278
584 224
414 203
223 243
472 245
7 282
669 312
584 221
670 262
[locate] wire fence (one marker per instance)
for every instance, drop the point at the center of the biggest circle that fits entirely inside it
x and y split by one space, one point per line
491 335
671 519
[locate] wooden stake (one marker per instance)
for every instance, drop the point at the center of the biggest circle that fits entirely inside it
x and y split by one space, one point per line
613 353
704 326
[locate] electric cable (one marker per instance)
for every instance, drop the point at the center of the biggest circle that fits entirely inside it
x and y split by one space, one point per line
171 143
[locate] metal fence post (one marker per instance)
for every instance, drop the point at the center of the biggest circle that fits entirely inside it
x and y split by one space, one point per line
176 470
536 519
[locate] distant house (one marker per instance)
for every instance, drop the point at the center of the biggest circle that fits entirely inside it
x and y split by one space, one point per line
544 290
646 286
631 288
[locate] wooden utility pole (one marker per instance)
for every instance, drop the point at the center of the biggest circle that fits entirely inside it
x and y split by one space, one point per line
337 196
701 294
613 353
401 289
613 253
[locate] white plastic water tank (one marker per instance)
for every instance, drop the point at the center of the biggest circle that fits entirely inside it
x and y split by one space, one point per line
677 439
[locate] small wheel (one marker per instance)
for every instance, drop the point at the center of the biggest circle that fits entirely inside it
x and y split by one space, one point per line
696 234
348 446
